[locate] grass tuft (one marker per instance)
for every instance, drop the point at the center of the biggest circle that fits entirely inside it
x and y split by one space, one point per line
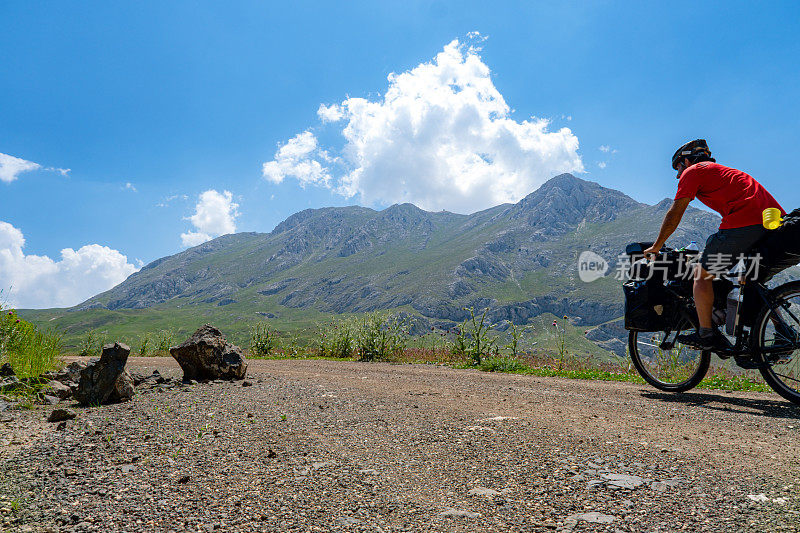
29 350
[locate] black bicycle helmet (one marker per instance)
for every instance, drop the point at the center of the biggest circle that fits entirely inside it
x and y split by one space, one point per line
696 151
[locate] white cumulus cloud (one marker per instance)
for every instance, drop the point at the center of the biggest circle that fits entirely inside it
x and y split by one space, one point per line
441 137
215 214
295 159
34 281
11 167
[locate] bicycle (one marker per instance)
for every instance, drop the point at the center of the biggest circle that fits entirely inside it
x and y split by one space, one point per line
763 329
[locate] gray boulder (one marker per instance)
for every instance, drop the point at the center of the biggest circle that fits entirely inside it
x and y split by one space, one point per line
207 355
105 380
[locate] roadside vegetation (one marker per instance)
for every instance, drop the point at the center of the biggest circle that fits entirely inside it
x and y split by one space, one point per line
29 350
475 343
550 347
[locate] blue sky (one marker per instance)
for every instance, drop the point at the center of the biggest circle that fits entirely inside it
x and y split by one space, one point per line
179 98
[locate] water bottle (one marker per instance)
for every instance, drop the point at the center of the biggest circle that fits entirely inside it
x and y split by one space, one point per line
732 318
692 247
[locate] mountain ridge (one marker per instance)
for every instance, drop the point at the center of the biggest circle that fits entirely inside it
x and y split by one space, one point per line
518 260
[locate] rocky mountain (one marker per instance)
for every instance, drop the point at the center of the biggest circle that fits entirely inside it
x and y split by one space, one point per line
518 260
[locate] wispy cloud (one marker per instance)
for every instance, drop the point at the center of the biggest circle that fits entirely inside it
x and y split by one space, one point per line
130 187
169 199
63 171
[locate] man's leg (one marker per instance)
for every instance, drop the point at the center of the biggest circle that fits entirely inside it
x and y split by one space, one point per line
703 296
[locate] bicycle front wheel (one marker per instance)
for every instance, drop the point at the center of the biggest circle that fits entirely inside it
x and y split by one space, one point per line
777 329
675 370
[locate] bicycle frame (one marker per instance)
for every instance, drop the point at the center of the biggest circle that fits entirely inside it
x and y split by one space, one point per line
742 336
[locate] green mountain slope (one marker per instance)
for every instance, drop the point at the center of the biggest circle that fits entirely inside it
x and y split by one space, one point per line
518 260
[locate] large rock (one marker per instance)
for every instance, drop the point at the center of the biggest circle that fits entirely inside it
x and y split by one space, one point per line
207 355
105 380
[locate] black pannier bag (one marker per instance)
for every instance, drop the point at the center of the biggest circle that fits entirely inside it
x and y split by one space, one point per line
645 297
645 306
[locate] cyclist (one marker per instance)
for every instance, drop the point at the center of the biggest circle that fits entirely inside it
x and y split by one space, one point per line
740 200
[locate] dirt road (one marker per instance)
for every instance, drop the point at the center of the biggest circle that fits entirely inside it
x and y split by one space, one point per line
342 446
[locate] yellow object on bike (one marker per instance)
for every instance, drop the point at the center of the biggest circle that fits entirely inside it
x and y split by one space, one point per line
772 218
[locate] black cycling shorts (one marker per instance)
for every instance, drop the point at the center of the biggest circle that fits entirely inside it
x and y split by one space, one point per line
724 248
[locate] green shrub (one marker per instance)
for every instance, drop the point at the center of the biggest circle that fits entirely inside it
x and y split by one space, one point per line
91 344
472 338
380 336
502 364
337 338
517 334
263 340
145 347
29 350
163 340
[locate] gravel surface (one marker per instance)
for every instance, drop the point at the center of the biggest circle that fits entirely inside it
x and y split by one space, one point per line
342 446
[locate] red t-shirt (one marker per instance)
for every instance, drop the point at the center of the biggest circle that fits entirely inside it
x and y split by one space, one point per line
733 194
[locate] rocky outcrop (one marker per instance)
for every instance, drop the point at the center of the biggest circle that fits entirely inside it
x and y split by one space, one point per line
105 380
207 355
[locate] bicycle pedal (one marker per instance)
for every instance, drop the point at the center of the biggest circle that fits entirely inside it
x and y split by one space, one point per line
748 363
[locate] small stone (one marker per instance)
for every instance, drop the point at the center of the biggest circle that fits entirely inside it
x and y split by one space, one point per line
60 415
247 383
59 389
49 400
456 513
595 518
347 521
184 479
10 383
485 492
658 486
622 481
271 454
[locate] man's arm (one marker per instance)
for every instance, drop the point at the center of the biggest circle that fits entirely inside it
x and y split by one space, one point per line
670 224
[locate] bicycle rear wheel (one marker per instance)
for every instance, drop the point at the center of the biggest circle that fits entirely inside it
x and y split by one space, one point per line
780 368
675 370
